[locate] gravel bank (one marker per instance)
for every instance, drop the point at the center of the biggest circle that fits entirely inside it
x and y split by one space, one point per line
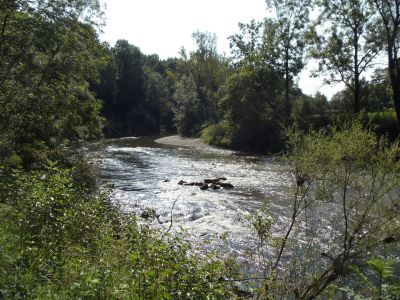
177 140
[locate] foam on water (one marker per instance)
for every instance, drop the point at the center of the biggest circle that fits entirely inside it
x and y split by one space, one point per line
146 174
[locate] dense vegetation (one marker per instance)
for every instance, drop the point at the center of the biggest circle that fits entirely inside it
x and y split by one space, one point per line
343 231
61 237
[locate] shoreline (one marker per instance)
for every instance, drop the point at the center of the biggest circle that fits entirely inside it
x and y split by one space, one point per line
176 140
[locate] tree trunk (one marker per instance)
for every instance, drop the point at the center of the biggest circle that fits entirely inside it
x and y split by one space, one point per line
357 94
396 96
357 88
3 29
287 100
394 80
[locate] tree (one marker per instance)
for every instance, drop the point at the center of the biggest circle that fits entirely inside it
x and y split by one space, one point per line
106 88
344 47
387 35
375 95
170 74
130 80
136 90
186 106
258 43
311 112
246 45
342 102
155 94
50 52
209 71
204 64
378 92
251 107
286 39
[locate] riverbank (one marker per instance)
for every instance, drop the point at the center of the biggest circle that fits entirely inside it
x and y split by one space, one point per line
176 140
62 238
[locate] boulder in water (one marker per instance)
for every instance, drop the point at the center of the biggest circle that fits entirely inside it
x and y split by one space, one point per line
131 189
194 217
204 187
215 186
226 185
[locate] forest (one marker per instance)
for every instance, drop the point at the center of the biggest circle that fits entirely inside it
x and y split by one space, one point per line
61 237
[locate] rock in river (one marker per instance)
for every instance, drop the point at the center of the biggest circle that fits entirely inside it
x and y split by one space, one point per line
204 187
226 185
214 184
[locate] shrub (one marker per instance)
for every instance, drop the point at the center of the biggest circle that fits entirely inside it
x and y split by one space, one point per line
344 210
57 243
217 134
385 123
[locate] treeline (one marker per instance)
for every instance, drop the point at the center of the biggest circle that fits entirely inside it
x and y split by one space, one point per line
145 95
249 97
59 83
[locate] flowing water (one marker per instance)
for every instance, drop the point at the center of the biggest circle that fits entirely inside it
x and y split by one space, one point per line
145 174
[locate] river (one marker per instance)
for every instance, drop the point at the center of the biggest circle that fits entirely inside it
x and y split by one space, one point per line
145 174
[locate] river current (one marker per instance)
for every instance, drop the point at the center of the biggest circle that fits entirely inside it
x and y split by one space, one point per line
145 174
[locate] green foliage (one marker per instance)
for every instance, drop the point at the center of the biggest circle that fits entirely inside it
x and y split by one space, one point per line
311 112
49 52
134 91
257 100
377 92
344 47
186 108
375 95
378 280
287 40
216 134
58 241
246 45
385 123
143 94
209 71
252 110
385 36
350 178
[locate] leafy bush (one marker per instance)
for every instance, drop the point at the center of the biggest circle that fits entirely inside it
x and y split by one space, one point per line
311 112
344 210
385 123
57 241
377 280
216 134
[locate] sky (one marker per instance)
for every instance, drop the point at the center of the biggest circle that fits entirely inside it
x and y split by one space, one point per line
163 26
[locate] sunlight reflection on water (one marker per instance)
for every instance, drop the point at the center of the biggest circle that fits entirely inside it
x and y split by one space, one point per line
146 174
